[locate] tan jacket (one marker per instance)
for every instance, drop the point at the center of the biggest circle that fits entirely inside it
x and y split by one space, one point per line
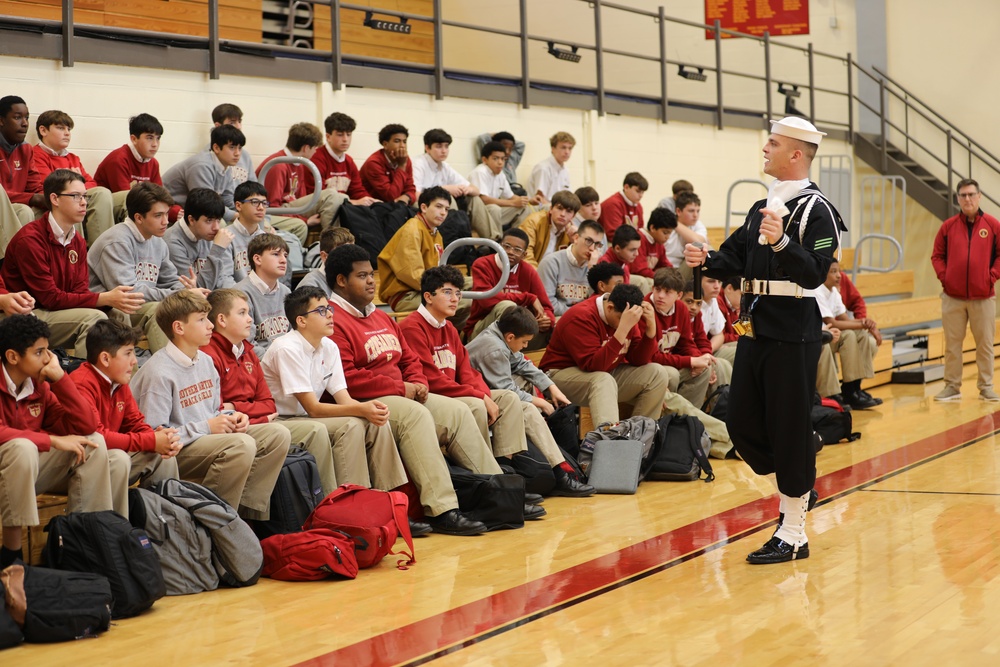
538 227
411 250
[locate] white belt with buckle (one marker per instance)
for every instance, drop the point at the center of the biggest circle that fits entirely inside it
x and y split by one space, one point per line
776 288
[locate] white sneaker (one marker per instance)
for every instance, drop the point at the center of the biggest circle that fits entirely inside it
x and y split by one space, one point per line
949 394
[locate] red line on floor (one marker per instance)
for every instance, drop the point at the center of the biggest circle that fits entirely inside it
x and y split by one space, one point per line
462 624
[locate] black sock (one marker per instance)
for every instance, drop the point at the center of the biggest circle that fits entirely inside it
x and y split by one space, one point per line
8 556
851 387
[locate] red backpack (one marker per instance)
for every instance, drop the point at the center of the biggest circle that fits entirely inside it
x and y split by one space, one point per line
309 556
377 517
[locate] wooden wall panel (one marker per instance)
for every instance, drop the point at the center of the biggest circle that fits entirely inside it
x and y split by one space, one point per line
356 39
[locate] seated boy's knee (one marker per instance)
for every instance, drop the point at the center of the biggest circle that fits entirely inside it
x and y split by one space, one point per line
603 384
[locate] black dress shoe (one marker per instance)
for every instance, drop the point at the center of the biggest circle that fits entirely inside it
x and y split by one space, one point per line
454 522
419 528
533 512
859 401
571 487
533 498
878 401
776 550
813 497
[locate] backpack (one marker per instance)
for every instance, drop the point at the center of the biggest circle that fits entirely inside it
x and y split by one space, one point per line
535 469
236 552
376 517
458 226
496 500
55 605
717 403
10 630
105 543
310 555
311 258
183 546
833 425
642 429
373 226
683 450
296 255
564 424
296 493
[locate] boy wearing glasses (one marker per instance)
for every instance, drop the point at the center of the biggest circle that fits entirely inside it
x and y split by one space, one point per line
265 294
564 273
61 292
251 209
523 288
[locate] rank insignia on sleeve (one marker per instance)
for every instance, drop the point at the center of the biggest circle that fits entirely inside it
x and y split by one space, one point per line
823 244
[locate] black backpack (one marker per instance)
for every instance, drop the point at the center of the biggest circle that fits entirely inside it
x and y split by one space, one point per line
682 455
373 226
564 424
458 226
496 500
296 494
105 543
535 469
833 425
59 606
717 403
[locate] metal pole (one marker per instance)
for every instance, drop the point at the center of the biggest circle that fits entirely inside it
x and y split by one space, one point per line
336 76
213 39
663 66
951 195
812 88
906 121
767 73
882 123
599 57
67 33
718 68
525 81
850 99
438 53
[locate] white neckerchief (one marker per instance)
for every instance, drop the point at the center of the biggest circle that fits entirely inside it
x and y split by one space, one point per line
779 192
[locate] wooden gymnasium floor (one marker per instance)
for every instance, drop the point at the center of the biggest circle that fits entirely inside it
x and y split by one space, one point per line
905 560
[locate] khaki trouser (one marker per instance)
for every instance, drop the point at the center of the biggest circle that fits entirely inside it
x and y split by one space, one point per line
642 386
118 209
537 429
12 218
100 216
417 439
489 220
980 315
25 472
508 429
857 351
827 380
327 206
145 319
642 282
459 434
240 467
293 226
693 388
537 342
727 352
715 428
69 327
363 453
127 468
313 437
723 374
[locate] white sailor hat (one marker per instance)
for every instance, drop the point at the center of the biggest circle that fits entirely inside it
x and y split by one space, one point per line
797 128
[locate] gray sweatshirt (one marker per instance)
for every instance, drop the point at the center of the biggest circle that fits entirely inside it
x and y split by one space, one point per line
267 311
213 264
489 354
174 391
316 278
565 283
120 256
203 170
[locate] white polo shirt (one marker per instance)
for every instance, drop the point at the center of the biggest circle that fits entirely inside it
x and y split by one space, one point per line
675 244
427 173
492 185
712 317
548 176
293 366
829 301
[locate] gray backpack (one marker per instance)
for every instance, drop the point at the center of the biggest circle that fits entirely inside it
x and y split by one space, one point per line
236 552
183 545
642 429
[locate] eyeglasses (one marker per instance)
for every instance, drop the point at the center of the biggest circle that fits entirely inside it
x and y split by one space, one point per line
512 250
75 196
451 293
322 310
968 195
591 243
258 203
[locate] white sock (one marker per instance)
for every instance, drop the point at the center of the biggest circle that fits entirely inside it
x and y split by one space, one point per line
793 528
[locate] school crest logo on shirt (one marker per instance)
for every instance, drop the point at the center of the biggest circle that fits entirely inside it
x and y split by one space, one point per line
17 164
73 257
120 406
983 233
35 409
249 366
388 357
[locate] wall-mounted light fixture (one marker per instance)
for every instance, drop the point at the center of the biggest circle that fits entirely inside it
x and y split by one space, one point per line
562 54
789 92
691 74
402 27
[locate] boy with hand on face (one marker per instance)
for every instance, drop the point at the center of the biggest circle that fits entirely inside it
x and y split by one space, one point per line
723 369
504 208
198 245
652 255
388 173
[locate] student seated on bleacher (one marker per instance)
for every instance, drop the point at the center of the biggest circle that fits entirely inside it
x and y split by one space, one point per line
414 248
15 161
600 354
590 205
232 115
179 388
135 255
289 185
251 221
431 168
729 299
523 288
61 291
857 343
42 443
551 175
552 229
380 365
331 238
211 169
340 173
132 163
564 273
17 303
387 174
503 208
603 277
723 369
265 292
690 229
670 203
199 246
497 355
513 152
242 382
623 250
623 208
652 255
143 455
714 320
52 152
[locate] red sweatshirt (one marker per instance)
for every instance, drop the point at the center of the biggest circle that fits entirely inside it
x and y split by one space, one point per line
64 283
44 163
617 211
582 339
852 298
523 286
118 417
285 182
444 359
241 380
966 257
346 177
611 257
731 314
14 170
652 256
674 337
119 171
701 340
386 182
376 359
57 408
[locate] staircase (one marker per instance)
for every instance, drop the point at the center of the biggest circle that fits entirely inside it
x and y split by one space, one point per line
925 188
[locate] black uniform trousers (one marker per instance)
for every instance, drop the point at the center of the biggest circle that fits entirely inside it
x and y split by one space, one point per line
770 409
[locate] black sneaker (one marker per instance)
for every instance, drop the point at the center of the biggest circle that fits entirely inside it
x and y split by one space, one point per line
454 522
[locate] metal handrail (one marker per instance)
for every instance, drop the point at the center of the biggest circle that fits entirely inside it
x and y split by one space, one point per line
317 180
876 269
504 264
729 199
